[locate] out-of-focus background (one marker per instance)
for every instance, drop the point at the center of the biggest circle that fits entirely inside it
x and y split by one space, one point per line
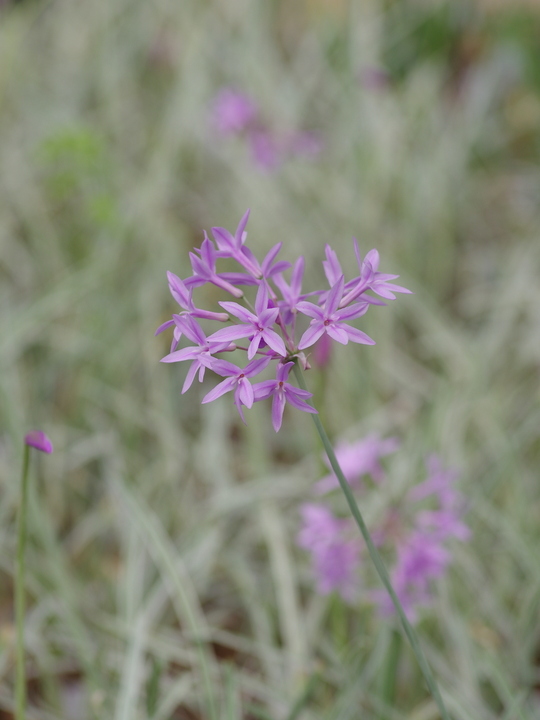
162 555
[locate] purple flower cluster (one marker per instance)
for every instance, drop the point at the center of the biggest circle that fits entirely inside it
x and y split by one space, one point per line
423 544
269 326
236 114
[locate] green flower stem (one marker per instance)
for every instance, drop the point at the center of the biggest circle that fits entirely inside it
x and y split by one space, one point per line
389 673
20 674
376 558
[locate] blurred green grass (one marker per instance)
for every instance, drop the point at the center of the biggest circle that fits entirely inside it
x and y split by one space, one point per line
160 522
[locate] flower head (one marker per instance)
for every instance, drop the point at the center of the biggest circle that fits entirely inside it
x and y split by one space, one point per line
269 325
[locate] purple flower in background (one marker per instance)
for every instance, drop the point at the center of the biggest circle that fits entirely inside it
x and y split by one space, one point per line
233 111
329 319
202 354
38 440
359 458
256 326
265 149
423 555
420 560
237 380
322 351
335 557
282 392
305 143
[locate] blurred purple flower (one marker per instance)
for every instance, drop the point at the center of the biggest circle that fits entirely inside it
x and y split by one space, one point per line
423 555
357 459
38 440
420 560
335 557
233 111
322 351
265 149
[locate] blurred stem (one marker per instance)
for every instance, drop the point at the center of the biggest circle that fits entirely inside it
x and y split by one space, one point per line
389 674
20 674
376 558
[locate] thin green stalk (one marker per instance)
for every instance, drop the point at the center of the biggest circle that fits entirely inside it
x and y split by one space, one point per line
376 558
389 673
20 674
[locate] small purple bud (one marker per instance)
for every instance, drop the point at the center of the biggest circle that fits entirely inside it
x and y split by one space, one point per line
37 439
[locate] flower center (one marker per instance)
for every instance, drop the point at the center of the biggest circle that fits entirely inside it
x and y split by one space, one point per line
326 322
281 383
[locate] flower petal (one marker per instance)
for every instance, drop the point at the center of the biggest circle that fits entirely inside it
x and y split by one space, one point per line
238 311
334 296
278 406
358 336
264 389
190 377
221 388
337 333
189 353
312 334
245 392
273 340
164 326
235 332
310 309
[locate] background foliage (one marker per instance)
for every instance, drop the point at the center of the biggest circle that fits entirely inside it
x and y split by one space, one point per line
162 533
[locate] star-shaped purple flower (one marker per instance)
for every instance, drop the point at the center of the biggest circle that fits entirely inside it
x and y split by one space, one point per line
183 297
328 319
237 380
371 279
204 269
282 392
256 326
202 354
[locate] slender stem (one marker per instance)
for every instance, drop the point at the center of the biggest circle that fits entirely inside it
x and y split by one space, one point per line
389 673
376 558
20 675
